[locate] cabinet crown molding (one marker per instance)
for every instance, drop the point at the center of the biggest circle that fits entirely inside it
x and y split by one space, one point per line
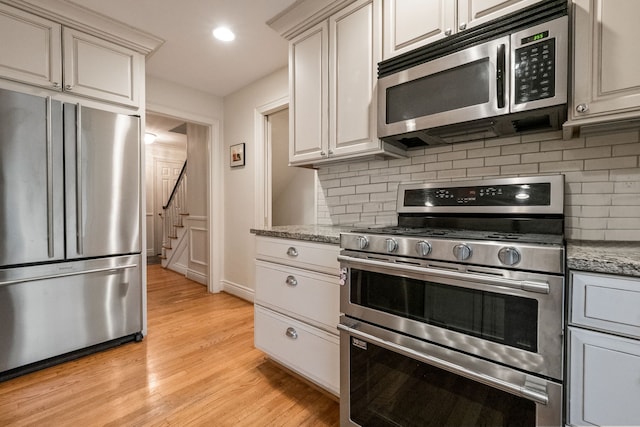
304 14
80 18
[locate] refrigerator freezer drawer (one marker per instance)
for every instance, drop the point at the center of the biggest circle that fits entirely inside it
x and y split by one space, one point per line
66 307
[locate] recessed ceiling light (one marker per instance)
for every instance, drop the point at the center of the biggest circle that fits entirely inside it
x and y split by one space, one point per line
224 34
149 138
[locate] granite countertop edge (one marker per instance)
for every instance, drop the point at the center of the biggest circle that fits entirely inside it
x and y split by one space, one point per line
606 257
310 233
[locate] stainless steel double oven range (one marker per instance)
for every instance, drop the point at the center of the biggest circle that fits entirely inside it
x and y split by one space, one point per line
455 316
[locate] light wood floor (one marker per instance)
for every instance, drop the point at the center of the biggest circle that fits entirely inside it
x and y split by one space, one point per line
197 366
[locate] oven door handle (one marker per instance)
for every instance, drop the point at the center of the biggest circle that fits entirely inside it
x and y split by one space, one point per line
526 391
524 285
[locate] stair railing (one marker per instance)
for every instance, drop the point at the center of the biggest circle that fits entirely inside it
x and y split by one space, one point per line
174 211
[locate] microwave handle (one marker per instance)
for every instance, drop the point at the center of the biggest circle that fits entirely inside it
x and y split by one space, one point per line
500 72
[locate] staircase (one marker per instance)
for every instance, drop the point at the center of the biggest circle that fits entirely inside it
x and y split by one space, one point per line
173 230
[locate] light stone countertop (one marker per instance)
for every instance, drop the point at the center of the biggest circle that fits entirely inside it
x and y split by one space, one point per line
311 233
607 257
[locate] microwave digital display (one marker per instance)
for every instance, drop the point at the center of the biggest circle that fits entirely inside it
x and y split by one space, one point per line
535 37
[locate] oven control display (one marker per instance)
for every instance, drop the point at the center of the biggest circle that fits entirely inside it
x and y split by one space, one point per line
537 194
535 71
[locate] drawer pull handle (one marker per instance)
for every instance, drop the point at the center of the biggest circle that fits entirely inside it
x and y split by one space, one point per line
291 333
292 251
291 281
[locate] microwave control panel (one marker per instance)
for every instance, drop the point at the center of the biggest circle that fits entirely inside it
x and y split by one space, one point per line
535 68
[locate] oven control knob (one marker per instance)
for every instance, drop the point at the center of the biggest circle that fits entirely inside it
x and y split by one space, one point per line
392 245
461 252
423 248
509 255
363 242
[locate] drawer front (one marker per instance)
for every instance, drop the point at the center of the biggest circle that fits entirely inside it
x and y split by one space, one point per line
311 296
604 379
606 303
312 256
306 350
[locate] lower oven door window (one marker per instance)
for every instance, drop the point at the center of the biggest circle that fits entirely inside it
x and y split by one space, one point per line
391 379
499 317
389 389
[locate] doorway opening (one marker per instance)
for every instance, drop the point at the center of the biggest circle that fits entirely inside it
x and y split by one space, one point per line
181 243
285 195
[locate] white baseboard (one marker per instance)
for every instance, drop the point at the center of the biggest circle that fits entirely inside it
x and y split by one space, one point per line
238 290
196 276
178 268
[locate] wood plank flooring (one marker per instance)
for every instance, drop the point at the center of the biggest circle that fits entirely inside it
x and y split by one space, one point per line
197 366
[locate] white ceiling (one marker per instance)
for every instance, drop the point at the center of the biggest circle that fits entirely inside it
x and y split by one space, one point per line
190 56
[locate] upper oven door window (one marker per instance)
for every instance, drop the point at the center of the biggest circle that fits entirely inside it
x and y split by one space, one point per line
499 317
463 86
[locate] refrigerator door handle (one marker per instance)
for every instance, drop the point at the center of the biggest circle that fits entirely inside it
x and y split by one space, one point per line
67 274
49 137
79 198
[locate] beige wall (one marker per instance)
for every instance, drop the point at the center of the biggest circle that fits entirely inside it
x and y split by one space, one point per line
239 182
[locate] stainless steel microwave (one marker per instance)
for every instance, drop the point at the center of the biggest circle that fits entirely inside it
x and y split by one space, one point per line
510 84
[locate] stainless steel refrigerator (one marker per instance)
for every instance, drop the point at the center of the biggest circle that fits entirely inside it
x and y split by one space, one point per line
70 244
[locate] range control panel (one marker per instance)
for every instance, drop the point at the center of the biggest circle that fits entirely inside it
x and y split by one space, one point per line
535 69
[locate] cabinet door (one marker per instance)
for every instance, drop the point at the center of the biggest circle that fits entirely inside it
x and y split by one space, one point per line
98 69
308 92
475 12
604 379
606 78
30 51
353 57
409 24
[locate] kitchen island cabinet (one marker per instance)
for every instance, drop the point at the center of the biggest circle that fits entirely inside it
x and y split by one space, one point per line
42 52
606 83
604 350
297 307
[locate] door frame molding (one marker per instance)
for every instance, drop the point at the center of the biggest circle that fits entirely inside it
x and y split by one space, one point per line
215 189
262 173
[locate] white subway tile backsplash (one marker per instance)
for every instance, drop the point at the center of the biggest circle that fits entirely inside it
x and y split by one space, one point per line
597 187
372 188
502 160
602 191
569 165
454 155
611 163
546 156
612 139
587 153
530 147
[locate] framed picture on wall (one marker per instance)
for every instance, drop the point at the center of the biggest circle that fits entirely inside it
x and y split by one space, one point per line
237 155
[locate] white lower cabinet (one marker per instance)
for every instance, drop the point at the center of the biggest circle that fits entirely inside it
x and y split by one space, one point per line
313 353
604 379
297 307
604 351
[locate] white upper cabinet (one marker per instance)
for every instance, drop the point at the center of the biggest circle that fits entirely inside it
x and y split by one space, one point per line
332 81
354 54
606 84
409 24
41 52
30 51
99 69
308 95
472 13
